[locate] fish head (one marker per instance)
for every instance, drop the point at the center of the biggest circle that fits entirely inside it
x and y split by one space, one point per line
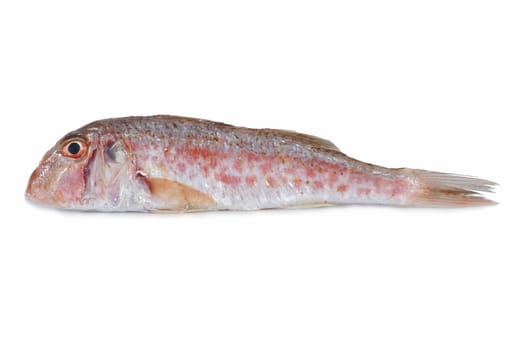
85 170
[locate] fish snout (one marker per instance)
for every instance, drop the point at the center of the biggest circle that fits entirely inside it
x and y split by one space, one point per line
36 190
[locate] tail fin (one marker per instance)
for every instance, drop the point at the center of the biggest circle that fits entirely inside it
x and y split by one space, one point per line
436 189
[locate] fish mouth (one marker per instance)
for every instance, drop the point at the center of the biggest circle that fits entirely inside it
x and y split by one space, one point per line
36 191
29 190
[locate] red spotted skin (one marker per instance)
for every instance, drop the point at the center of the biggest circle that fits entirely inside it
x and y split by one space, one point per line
245 169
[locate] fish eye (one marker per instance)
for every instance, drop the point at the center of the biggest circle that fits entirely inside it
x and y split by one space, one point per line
74 148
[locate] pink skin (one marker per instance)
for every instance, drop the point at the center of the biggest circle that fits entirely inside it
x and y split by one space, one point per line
58 180
239 171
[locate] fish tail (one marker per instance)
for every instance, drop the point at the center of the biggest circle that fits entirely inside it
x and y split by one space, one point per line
435 189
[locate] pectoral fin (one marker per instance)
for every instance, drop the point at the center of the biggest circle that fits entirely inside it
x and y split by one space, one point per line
170 195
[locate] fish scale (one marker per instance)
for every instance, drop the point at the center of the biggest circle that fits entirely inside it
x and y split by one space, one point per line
249 169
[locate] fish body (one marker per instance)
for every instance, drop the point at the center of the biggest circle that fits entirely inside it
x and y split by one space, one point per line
168 163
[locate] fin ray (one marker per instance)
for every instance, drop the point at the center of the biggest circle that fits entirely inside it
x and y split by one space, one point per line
170 195
436 189
311 140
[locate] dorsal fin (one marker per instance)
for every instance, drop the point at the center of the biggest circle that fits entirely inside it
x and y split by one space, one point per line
310 140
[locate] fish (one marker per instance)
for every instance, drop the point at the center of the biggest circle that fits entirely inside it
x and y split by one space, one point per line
168 163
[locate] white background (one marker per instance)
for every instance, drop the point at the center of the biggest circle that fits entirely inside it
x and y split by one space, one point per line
435 85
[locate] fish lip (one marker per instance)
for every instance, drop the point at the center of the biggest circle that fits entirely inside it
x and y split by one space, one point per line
35 192
36 202
30 184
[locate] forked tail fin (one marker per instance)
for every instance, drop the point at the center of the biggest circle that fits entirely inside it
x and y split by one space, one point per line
435 189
